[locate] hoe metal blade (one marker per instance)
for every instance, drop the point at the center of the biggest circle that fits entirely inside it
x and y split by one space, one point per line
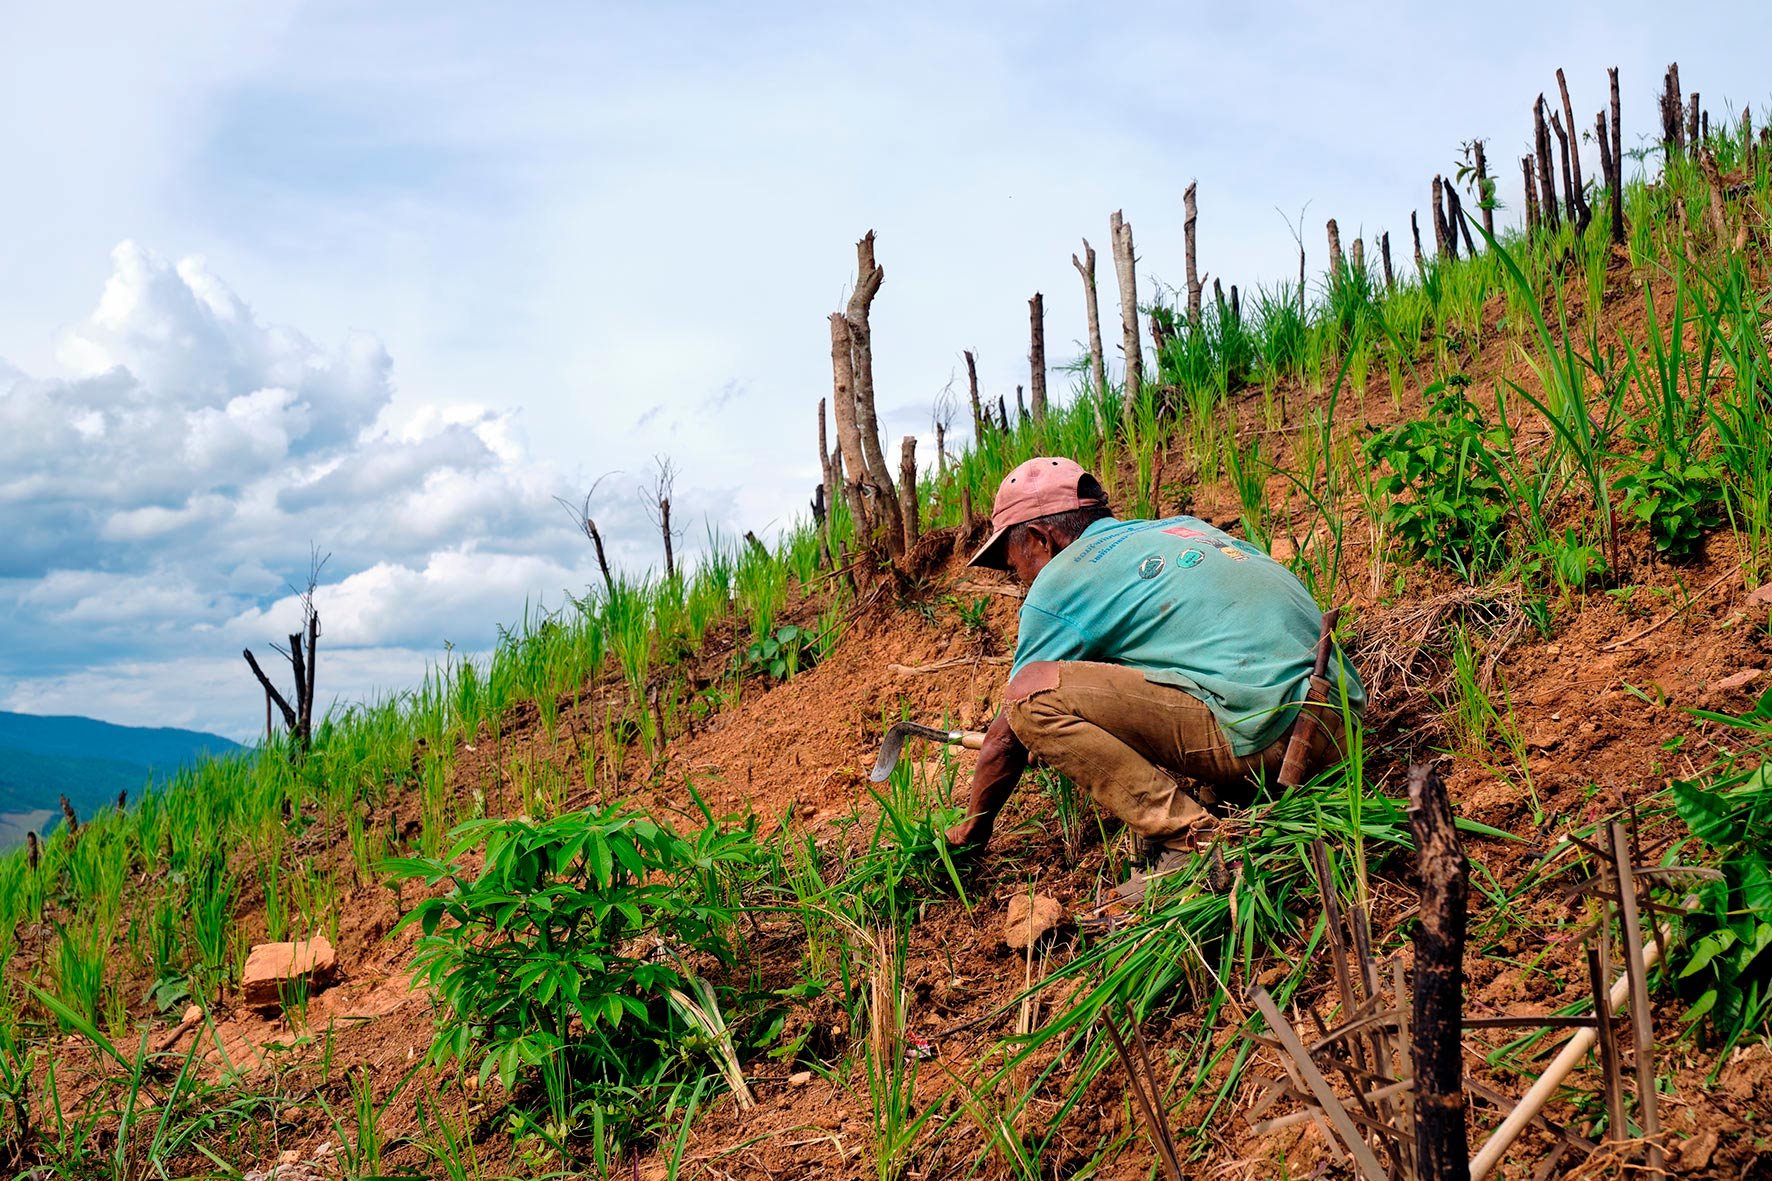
893 746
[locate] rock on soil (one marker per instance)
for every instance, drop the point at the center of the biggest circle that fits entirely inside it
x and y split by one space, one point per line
1029 919
271 965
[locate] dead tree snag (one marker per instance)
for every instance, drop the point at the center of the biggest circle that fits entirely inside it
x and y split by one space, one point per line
1485 189
907 490
852 467
1617 161
1583 213
581 517
1037 355
1125 270
1190 215
978 418
1097 359
303 656
658 507
1335 261
1384 254
869 276
1547 184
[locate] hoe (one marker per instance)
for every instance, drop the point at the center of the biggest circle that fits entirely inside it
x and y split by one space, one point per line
893 746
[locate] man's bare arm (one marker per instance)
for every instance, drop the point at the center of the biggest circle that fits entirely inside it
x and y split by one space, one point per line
1001 760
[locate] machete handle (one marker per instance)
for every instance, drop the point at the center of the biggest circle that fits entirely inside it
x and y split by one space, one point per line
1298 746
970 739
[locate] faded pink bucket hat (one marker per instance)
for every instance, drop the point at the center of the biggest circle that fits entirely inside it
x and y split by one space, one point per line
1038 488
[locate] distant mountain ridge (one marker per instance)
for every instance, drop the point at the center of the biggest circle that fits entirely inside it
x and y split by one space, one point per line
43 757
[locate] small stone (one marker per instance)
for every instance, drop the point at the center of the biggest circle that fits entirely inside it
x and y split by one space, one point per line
288 1156
1696 1153
192 1015
1760 596
1734 681
1029 919
799 1078
272 965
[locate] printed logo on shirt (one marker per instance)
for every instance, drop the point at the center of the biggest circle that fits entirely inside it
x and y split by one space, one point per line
1187 559
1150 567
1183 531
1233 553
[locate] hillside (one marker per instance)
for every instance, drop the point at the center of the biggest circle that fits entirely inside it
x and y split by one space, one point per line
621 900
44 757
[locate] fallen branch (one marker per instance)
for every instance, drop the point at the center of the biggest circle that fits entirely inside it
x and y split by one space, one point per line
1676 612
905 670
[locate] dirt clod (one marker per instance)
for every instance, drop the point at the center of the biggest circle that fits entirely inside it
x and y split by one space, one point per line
272 965
1029 919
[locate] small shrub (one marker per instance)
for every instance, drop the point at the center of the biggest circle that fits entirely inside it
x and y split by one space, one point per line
558 958
1445 502
1679 500
782 654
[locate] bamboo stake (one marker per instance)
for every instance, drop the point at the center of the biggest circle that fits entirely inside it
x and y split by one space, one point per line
1541 1091
1637 974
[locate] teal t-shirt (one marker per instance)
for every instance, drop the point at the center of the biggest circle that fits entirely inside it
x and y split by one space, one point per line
1190 606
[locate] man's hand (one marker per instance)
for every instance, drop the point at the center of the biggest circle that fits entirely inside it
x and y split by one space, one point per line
1000 763
969 836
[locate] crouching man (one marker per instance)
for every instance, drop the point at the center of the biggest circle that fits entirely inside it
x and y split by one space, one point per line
1160 664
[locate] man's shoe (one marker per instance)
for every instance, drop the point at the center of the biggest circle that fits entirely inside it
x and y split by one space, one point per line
1162 859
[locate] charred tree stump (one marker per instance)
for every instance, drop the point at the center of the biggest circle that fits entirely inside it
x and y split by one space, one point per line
581 517
1673 130
1384 255
1002 414
1097 360
1335 260
1357 258
1037 355
1604 137
1455 217
1190 215
1531 186
1583 214
1547 183
1485 195
32 854
1441 1140
827 490
1021 407
1125 270
1694 131
658 508
1441 247
978 418
1617 161
1236 306
1571 199
1415 231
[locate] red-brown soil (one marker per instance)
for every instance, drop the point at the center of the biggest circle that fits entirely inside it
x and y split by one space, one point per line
1596 704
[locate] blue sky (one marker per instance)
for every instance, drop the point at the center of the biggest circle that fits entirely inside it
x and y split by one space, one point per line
387 278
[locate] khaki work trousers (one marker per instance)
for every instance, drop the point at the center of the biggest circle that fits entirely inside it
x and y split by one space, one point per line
1126 741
